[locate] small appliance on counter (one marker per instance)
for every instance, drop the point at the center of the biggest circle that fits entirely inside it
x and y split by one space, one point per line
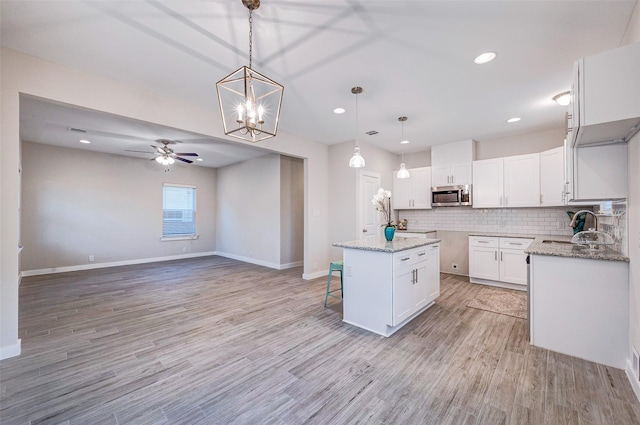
402 224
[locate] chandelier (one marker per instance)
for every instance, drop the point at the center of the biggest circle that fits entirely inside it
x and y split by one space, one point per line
249 101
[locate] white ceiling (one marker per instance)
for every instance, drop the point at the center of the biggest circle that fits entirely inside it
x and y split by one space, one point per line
412 58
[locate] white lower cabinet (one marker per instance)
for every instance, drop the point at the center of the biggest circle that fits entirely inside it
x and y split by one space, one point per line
498 261
384 291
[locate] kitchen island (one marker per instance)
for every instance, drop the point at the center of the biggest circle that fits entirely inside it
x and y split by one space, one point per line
579 300
387 284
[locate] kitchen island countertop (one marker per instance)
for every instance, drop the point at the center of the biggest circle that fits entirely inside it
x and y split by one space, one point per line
396 245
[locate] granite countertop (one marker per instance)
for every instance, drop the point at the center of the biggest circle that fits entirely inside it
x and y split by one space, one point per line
396 245
414 231
569 250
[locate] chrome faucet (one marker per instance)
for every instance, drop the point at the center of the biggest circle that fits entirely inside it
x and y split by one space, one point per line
575 217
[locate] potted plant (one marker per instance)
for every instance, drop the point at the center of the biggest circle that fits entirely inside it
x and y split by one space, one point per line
382 203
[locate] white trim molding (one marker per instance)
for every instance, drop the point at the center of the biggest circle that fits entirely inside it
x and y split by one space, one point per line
11 350
315 275
113 264
633 380
259 262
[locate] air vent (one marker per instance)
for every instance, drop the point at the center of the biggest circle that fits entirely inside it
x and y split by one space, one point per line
77 130
372 132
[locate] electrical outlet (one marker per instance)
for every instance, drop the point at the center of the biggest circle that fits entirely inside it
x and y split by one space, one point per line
91 258
315 266
560 225
184 249
454 266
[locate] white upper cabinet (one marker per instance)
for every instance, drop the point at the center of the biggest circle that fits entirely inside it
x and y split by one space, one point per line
508 182
414 192
451 163
488 185
605 94
522 180
552 187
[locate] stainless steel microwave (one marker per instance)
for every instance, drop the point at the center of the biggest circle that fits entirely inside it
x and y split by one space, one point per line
451 196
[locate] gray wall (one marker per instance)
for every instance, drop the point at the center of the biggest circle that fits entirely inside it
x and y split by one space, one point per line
77 203
260 215
291 210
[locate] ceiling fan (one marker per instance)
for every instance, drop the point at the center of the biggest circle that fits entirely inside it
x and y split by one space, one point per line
165 155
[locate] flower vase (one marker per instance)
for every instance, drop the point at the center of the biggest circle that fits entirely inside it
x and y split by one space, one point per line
389 231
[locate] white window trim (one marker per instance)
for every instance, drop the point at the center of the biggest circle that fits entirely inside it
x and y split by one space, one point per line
179 238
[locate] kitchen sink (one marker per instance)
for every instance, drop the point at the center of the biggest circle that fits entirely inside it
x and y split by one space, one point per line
557 242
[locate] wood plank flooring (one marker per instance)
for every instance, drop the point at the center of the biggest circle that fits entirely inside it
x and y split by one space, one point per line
217 341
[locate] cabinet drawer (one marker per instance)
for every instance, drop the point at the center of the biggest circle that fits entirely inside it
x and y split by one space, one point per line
483 241
515 243
410 257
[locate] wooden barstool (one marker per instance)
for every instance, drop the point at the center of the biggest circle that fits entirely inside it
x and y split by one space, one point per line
335 266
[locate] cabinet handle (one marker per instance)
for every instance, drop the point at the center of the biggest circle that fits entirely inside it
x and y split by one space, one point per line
541 198
404 259
451 179
495 255
413 276
501 201
515 243
421 254
416 275
483 241
500 255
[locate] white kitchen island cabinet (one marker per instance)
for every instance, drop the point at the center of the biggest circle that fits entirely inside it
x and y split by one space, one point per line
387 284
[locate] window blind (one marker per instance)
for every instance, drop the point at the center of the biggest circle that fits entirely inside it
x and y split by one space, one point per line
178 210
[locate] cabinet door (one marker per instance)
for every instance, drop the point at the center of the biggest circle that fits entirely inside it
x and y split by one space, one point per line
433 272
522 181
401 193
421 187
513 266
421 287
403 301
483 263
461 173
440 175
552 177
487 190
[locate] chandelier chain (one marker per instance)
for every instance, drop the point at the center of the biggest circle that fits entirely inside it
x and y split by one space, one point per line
250 37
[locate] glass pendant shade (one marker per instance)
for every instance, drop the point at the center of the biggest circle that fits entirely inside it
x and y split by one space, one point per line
403 173
250 105
356 161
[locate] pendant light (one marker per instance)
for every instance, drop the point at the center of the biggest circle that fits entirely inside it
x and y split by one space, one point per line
249 101
357 161
403 173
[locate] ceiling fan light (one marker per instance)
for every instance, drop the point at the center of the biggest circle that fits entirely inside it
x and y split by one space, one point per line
403 173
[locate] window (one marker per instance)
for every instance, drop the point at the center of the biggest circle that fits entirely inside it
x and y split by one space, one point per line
178 211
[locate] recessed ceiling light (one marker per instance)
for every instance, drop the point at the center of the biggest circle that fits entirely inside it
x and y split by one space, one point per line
563 98
338 111
514 119
85 141
199 159
404 142
485 57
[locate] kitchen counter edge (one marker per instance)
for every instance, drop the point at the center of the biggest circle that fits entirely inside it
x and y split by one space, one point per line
537 247
384 246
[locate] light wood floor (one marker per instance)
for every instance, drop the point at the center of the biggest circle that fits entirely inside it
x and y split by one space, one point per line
216 341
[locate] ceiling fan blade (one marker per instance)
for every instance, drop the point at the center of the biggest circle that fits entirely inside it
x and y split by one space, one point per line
157 148
147 152
186 154
183 160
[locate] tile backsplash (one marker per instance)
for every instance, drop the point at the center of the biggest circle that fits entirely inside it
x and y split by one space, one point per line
534 221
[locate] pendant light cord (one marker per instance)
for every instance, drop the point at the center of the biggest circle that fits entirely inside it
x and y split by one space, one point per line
357 119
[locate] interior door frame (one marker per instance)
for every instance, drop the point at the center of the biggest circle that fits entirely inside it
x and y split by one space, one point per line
366 203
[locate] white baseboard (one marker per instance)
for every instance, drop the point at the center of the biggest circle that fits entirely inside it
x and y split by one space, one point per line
259 262
315 275
11 350
113 264
635 383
